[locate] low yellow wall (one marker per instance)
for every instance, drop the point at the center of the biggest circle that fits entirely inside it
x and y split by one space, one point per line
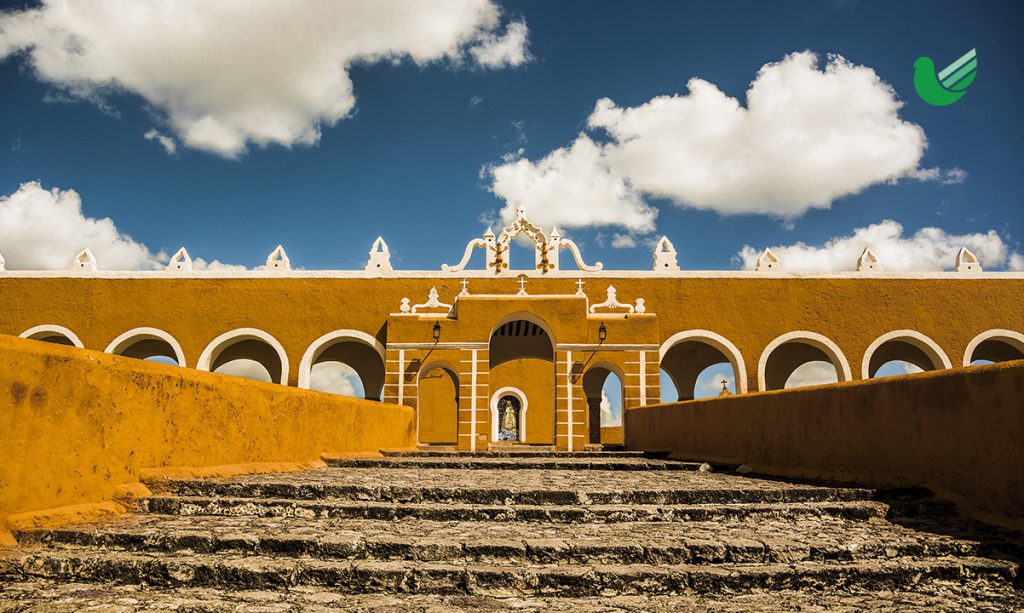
74 424
959 432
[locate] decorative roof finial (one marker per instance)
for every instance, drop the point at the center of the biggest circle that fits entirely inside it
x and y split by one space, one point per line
767 261
278 260
665 255
868 261
380 257
966 261
85 260
180 262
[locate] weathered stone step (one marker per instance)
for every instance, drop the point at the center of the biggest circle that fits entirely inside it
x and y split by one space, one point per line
259 572
720 542
46 595
280 507
503 496
508 453
515 463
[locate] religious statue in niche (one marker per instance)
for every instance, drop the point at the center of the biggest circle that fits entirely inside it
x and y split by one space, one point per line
508 416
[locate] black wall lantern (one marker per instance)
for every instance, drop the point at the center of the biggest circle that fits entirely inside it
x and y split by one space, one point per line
437 331
602 332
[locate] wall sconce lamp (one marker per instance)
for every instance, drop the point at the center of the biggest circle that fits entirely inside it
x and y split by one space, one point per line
437 331
602 333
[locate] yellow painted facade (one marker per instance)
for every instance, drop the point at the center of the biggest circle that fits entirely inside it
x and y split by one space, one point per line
532 335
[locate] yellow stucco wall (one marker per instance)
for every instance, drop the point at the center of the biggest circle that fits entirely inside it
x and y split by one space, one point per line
958 431
749 310
74 424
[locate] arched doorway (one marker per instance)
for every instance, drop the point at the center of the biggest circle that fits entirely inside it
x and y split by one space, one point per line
522 358
246 352
48 333
148 344
604 388
801 358
902 352
437 405
349 362
697 359
994 346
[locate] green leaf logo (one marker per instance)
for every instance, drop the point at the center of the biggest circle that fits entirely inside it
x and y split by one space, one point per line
948 85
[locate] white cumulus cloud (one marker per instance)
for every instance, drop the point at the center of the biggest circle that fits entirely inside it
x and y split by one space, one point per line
44 229
610 416
168 143
229 73
807 136
571 188
812 373
928 249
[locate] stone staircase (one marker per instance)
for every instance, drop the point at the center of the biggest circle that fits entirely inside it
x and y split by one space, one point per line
517 528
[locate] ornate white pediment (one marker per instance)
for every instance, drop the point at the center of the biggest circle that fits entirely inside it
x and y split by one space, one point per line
546 248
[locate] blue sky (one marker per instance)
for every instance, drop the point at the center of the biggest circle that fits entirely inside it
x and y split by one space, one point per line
229 129
409 156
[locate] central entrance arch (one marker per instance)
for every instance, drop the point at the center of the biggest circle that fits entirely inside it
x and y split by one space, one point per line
522 370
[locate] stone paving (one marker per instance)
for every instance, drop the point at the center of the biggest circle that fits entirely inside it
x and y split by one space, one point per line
445 532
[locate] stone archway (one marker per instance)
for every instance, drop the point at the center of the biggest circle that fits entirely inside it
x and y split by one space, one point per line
522 359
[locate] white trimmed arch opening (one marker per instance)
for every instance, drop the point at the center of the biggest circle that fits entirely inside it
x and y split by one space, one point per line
997 345
908 346
221 350
52 333
360 351
708 348
146 342
495 418
792 350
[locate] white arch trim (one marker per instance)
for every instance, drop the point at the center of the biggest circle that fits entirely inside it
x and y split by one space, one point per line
138 334
319 345
915 338
515 391
717 341
241 334
1007 336
36 331
832 351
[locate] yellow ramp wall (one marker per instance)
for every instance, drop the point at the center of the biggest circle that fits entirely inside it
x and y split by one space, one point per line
76 423
959 432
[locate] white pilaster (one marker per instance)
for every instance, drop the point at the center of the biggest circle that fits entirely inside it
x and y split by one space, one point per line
401 377
569 394
472 404
643 381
